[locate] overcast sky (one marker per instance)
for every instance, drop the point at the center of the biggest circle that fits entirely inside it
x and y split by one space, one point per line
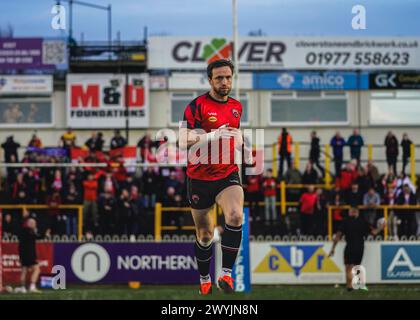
31 18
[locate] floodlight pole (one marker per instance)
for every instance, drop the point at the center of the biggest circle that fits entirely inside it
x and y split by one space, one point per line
90 5
235 49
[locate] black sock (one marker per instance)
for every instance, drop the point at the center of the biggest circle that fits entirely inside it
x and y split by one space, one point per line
203 256
231 241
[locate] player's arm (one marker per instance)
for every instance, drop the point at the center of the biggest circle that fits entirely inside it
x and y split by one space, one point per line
376 231
189 137
337 238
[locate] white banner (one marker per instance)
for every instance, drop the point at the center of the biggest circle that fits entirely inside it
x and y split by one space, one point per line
99 100
26 84
199 81
308 263
348 53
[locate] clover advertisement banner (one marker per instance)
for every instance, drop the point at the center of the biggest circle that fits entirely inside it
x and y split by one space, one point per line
107 100
315 53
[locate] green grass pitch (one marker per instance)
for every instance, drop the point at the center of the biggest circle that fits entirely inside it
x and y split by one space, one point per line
280 292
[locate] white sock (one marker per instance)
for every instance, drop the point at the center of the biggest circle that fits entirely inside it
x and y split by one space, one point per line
32 286
226 272
205 279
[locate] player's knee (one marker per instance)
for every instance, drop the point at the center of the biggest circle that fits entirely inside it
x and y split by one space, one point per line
205 237
234 216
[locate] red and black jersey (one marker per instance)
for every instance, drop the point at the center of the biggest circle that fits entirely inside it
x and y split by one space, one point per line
208 114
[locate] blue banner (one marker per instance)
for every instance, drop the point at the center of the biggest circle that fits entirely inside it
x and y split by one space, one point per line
49 151
241 271
400 262
295 80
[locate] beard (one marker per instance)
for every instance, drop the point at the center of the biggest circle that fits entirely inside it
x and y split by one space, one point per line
222 92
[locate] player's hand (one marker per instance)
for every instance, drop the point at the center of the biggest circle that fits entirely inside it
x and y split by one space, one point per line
248 157
235 133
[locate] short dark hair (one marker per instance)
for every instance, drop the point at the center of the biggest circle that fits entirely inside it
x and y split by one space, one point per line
218 64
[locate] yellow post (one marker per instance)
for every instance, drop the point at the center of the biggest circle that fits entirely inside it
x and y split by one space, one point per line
297 155
80 223
283 197
370 152
386 223
214 215
329 223
158 221
413 164
274 161
327 167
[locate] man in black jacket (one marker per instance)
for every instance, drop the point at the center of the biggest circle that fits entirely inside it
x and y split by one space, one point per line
27 255
118 141
407 226
391 144
355 229
315 152
10 149
406 148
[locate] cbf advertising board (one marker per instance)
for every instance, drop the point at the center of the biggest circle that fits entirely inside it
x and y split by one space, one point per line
309 263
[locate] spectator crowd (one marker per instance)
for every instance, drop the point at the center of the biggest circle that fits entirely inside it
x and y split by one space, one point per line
117 201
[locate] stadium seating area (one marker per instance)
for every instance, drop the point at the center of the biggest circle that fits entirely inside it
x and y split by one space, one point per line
120 201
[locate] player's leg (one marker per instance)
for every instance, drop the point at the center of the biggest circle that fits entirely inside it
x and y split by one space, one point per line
36 270
349 277
231 201
23 273
203 246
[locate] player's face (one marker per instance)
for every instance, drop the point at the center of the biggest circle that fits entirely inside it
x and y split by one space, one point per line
221 81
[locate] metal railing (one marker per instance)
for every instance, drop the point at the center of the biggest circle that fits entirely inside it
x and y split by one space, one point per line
159 209
79 209
385 208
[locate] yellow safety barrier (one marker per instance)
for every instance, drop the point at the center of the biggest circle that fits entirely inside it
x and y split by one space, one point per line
327 167
274 162
413 164
370 152
158 219
283 186
79 209
297 154
385 208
